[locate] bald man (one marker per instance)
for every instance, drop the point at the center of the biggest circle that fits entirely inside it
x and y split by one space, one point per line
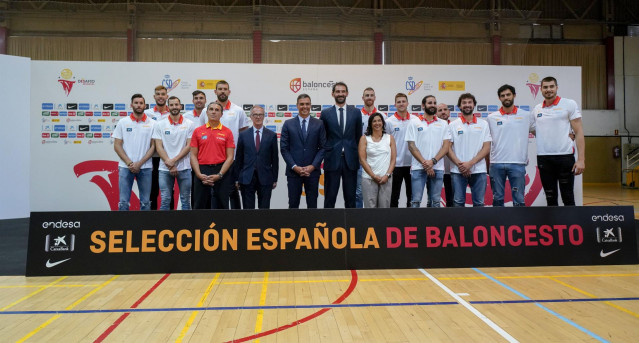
443 113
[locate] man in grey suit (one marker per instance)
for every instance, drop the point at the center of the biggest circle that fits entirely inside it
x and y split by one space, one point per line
343 124
257 162
302 146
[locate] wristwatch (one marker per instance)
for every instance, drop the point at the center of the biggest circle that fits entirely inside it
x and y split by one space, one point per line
220 175
434 161
389 175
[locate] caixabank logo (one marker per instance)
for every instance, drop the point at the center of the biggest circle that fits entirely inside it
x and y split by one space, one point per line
297 84
59 243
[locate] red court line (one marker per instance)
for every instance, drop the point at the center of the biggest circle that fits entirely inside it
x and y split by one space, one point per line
115 324
348 292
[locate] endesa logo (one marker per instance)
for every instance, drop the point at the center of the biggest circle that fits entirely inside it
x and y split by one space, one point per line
608 218
61 225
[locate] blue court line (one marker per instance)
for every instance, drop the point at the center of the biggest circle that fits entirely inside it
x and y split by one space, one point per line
577 326
279 307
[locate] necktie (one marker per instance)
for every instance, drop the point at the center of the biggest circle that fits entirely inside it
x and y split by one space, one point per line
341 119
304 133
257 140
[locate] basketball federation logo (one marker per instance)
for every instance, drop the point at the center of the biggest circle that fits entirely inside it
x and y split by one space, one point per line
295 85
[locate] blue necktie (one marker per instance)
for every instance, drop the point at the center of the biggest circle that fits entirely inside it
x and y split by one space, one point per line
341 119
304 134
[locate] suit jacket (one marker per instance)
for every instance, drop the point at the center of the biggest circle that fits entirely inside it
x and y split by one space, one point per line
265 161
336 140
297 151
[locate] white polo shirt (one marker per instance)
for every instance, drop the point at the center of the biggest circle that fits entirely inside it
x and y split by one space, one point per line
197 121
509 132
233 117
429 138
174 136
553 126
399 127
156 115
468 139
136 138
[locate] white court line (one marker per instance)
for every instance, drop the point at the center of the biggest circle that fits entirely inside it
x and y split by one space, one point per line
470 308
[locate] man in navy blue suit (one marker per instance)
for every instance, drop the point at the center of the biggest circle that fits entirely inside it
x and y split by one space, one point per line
343 126
257 162
302 145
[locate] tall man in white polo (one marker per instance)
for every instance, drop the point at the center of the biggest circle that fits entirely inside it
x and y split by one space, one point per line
172 138
555 153
134 147
159 111
443 113
470 137
399 123
428 141
509 129
198 114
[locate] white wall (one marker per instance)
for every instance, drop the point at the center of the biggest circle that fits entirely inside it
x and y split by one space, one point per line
14 136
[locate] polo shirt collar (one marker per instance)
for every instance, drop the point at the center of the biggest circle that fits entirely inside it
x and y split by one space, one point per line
464 121
367 113
501 110
176 122
218 127
400 118
429 122
133 118
155 109
554 103
196 114
228 105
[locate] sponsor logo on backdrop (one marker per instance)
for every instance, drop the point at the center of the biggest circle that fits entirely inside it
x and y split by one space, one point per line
316 108
86 82
169 83
452 85
71 106
66 80
412 86
532 84
609 235
415 107
108 185
206 84
297 84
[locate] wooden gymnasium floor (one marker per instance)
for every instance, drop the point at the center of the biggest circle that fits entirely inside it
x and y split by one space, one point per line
539 304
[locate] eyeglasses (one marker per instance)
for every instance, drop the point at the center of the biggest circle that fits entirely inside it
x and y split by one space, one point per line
257 115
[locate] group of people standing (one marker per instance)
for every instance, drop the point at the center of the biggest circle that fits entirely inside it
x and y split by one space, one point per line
214 154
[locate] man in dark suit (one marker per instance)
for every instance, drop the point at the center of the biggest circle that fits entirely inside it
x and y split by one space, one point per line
302 145
343 126
257 162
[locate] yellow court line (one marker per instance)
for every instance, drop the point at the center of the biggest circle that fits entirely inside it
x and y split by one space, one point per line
260 312
42 288
200 303
564 276
70 307
52 286
623 309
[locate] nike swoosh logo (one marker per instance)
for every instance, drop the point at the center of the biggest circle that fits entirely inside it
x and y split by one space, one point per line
604 254
53 264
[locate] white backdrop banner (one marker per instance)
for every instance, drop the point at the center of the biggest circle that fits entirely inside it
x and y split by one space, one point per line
76 105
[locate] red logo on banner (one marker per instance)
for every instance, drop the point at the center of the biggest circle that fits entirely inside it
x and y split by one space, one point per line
295 84
109 187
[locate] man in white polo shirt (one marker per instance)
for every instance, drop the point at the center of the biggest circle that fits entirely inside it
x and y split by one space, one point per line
443 113
555 153
198 114
159 111
172 138
399 123
428 142
470 139
509 129
134 147
236 120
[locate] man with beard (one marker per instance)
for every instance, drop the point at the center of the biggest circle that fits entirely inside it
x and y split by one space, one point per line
428 141
198 115
470 137
443 113
399 124
236 120
509 128
555 153
343 126
172 138
134 147
158 112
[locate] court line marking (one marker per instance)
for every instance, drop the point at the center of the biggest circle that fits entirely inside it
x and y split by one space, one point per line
620 308
200 303
45 324
51 286
470 308
119 321
260 312
345 295
286 307
42 288
575 325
